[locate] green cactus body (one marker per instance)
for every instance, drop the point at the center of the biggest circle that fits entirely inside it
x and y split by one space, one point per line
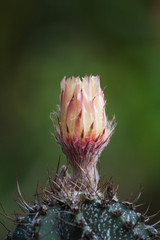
91 220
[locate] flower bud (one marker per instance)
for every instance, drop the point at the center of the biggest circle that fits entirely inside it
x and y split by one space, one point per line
83 129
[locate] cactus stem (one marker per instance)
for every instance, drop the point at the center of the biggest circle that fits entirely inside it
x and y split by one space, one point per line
66 206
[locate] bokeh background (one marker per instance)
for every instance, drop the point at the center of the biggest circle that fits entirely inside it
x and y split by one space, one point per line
43 41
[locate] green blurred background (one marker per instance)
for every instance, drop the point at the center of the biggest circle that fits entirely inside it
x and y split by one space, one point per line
43 41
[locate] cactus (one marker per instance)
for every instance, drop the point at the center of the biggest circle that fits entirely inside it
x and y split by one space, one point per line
77 205
72 214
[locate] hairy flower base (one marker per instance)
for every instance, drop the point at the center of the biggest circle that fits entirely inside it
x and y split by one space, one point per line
83 154
82 151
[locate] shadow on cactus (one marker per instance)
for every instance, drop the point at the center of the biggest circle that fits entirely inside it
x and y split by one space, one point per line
78 205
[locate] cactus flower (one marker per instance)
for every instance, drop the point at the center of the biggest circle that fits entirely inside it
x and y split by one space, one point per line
83 129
